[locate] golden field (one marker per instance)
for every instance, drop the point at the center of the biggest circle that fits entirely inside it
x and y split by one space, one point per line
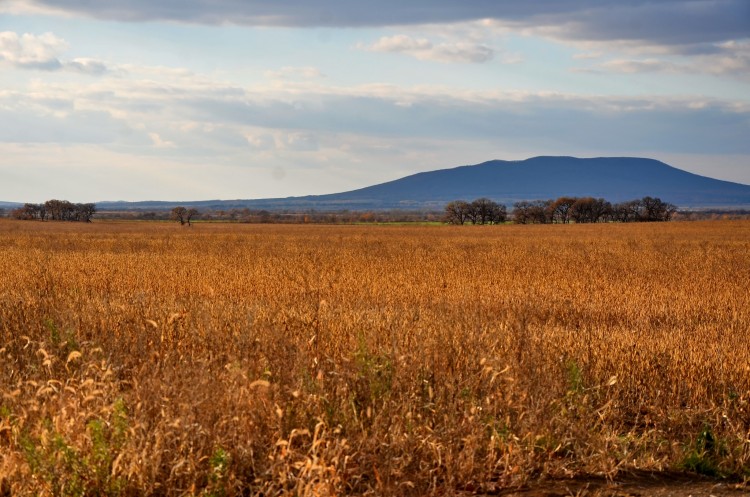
225 359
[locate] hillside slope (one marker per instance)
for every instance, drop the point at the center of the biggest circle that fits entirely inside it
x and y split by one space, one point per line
614 178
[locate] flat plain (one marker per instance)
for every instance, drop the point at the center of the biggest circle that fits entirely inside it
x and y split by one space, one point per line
229 359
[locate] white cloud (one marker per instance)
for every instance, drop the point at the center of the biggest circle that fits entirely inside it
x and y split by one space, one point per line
204 118
294 73
32 51
401 43
259 140
86 66
159 142
667 23
639 66
725 59
662 21
42 52
38 117
731 58
424 49
167 116
638 34
298 142
588 55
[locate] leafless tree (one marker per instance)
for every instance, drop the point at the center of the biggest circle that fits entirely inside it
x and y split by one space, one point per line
56 210
190 214
486 211
559 210
654 209
499 214
183 215
84 212
590 210
532 212
627 212
457 212
179 213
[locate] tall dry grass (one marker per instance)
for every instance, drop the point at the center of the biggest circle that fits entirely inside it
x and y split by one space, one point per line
146 359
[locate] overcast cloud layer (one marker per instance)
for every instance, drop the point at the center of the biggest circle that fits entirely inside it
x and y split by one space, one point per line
198 99
661 21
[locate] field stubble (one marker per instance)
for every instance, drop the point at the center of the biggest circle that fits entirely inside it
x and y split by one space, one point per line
330 360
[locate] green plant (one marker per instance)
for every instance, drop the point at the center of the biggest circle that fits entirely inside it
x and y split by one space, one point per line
55 462
65 339
219 462
374 377
54 331
574 376
74 471
703 456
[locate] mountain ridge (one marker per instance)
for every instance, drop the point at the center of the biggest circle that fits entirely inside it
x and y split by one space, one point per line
616 179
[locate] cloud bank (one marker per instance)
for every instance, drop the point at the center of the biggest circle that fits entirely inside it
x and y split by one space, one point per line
32 51
210 125
424 49
42 52
200 117
668 22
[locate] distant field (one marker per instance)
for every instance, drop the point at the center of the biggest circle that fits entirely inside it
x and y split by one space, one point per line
147 358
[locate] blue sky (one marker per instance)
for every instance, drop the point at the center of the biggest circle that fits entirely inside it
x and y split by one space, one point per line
204 99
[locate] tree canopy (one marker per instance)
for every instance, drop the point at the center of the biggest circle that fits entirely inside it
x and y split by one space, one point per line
56 210
183 215
562 210
480 211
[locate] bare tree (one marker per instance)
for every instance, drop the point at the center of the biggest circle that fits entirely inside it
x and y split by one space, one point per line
190 214
28 211
590 210
521 212
601 210
559 210
179 213
654 209
457 212
499 214
627 212
534 212
84 212
60 210
485 211
472 213
56 210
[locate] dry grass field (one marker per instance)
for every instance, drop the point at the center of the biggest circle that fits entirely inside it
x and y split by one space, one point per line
223 360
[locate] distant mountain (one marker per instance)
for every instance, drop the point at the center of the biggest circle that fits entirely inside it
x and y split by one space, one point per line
616 179
613 178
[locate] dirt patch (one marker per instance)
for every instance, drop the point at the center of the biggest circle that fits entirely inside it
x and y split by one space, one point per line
633 485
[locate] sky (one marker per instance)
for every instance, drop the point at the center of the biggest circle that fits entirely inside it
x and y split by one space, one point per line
237 99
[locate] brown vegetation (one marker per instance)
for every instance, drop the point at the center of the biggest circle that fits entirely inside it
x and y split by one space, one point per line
144 359
55 210
592 210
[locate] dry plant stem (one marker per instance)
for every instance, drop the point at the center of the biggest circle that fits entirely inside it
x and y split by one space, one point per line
145 359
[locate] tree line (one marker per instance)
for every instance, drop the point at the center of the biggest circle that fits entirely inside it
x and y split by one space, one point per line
183 215
561 210
55 210
480 211
285 216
